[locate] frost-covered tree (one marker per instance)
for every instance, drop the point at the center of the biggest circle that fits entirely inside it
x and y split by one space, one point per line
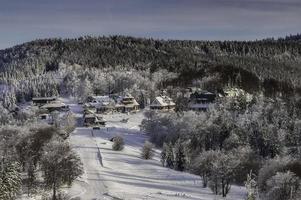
222 173
284 185
60 165
269 169
202 165
10 180
164 154
66 123
179 156
147 151
84 90
251 186
118 143
169 156
31 177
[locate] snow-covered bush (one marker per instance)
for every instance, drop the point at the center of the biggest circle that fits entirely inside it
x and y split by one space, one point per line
147 151
284 185
118 143
270 169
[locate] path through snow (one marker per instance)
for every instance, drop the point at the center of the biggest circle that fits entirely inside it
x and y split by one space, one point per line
125 175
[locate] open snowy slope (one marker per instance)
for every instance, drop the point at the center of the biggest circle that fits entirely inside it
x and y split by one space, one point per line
124 174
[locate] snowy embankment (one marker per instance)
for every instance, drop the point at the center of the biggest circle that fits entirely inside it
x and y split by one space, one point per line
124 175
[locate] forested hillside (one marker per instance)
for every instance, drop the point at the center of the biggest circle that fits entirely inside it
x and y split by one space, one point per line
251 138
269 66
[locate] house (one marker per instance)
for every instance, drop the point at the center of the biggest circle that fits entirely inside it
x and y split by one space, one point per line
100 104
55 106
105 107
163 103
98 99
127 103
39 101
200 101
91 119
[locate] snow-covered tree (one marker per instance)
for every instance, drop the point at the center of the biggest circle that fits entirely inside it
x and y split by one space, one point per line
118 143
222 173
147 151
284 185
251 186
169 156
179 156
60 165
10 180
84 90
164 154
202 165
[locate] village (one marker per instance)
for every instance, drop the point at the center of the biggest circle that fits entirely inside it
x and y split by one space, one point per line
99 120
96 107
150 100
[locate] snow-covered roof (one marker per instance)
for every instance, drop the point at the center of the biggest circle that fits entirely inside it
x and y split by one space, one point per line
100 99
44 98
128 95
54 104
127 101
163 101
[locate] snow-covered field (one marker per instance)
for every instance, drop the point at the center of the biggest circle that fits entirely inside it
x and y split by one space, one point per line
124 175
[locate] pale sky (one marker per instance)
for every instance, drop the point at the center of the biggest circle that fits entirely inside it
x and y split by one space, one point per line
26 20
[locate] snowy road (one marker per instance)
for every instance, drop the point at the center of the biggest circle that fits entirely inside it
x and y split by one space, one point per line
92 184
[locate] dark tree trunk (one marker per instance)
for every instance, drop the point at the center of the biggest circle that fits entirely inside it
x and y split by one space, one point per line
54 192
223 188
204 181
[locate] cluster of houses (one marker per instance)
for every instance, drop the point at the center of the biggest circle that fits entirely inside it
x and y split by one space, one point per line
199 101
97 106
49 105
107 104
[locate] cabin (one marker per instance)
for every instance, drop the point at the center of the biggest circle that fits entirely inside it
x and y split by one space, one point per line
126 104
93 119
55 106
200 101
163 103
39 101
105 107
100 104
